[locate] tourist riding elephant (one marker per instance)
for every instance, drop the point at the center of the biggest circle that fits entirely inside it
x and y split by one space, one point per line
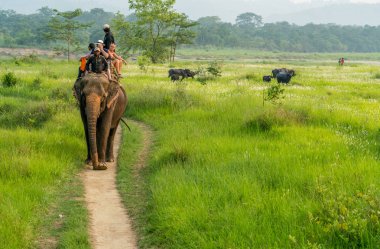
102 105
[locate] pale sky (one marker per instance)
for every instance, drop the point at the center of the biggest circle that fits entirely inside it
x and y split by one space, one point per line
227 10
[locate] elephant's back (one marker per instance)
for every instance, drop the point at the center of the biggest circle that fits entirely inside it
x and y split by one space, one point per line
120 107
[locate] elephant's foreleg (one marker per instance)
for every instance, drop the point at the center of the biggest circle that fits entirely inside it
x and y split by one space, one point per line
85 126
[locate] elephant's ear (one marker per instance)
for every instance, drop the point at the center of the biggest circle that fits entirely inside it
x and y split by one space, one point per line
113 93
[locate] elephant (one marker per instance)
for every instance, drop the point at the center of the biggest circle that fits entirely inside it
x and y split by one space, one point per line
102 105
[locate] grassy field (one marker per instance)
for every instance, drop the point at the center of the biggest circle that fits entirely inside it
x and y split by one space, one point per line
225 171
238 55
41 203
228 172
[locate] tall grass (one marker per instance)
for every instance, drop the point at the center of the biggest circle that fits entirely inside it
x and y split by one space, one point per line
41 151
227 172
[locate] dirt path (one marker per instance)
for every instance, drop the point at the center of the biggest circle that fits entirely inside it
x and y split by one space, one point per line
110 226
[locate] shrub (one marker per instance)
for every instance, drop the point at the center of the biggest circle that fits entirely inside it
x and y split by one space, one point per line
37 83
34 115
215 68
9 79
345 219
262 124
274 94
143 62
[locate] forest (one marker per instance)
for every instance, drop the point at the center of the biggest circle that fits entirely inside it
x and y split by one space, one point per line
248 32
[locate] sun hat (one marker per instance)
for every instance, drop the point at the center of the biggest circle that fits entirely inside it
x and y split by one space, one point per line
100 41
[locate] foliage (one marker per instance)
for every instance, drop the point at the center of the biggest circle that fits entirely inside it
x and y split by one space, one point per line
175 29
224 166
249 19
210 72
156 30
215 68
63 27
143 62
9 79
41 148
344 218
274 94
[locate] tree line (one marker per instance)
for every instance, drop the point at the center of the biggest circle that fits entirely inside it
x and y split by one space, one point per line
156 30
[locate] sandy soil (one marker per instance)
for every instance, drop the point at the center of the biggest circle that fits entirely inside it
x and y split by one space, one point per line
110 226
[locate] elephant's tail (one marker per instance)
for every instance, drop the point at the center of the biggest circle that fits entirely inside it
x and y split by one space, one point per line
129 128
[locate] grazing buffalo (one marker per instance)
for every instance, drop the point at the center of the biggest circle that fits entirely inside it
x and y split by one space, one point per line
283 77
285 70
183 73
174 77
267 78
275 72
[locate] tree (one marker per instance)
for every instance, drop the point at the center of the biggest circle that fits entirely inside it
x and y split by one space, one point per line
181 33
64 28
250 19
157 23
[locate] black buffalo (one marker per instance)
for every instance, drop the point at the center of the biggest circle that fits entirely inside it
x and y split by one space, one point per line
174 77
285 70
275 72
283 77
267 78
181 73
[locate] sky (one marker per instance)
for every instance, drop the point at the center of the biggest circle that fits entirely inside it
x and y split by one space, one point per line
227 10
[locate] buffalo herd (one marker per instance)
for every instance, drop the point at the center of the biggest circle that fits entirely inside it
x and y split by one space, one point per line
283 75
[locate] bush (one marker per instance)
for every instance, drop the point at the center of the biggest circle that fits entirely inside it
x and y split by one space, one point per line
215 69
347 219
274 94
143 62
37 83
9 79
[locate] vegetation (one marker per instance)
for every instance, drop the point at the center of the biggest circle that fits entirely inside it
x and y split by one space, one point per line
64 27
41 153
157 29
169 29
226 172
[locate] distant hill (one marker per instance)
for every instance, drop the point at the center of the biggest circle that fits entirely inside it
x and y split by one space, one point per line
342 14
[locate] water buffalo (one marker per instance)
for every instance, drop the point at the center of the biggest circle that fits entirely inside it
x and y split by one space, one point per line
275 72
283 77
174 77
285 70
183 73
267 78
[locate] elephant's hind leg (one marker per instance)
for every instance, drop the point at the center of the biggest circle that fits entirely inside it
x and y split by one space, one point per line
109 152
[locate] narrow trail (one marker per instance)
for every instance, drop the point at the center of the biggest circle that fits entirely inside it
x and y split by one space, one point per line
110 226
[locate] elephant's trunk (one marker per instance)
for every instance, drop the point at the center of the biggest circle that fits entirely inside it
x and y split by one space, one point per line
92 111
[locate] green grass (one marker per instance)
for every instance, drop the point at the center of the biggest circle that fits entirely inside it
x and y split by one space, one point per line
225 171
228 172
41 152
